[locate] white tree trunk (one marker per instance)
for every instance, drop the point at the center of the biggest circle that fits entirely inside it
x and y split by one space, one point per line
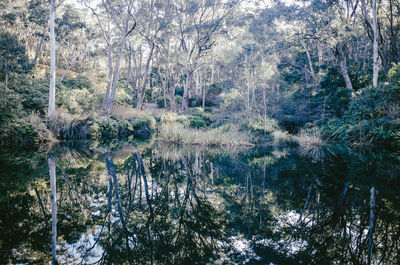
113 91
343 67
109 76
52 91
375 55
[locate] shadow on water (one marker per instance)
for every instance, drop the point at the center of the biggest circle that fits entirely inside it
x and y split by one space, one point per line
165 204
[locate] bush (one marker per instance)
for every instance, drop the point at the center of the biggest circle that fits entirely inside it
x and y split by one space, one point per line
79 82
371 117
28 130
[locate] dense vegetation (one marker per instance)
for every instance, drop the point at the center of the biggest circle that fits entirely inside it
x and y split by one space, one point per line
270 131
274 72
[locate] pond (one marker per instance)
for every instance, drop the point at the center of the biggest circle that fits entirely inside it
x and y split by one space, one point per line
151 203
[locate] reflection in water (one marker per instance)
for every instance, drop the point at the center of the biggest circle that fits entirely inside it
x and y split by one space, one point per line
52 173
168 205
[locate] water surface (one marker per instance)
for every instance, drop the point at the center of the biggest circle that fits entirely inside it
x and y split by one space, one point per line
164 204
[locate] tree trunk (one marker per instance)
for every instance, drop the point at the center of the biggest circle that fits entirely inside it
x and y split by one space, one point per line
310 65
6 85
343 67
320 60
109 76
145 79
186 87
375 46
40 204
128 78
70 64
265 109
111 98
171 88
52 91
38 48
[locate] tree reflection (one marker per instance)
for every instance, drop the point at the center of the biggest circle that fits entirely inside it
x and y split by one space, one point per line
160 205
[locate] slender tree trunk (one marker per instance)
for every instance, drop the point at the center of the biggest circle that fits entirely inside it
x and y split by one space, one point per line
320 59
375 46
70 64
343 67
204 92
40 204
128 78
265 109
171 88
310 65
109 75
6 85
145 79
38 49
52 91
111 98
52 172
186 87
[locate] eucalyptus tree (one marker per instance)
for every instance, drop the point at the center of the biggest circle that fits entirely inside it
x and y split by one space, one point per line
154 18
197 23
121 14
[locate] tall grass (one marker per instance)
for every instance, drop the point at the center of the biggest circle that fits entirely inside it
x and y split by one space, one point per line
227 135
71 127
281 137
311 143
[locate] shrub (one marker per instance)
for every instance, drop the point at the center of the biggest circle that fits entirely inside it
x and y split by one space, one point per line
125 121
79 82
172 117
370 119
30 129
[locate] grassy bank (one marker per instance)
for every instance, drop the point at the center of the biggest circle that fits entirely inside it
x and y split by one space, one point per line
227 135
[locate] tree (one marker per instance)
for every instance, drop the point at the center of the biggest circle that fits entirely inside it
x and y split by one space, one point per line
155 17
12 57
121 15
197 23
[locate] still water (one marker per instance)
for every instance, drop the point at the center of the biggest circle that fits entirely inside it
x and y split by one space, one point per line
163 204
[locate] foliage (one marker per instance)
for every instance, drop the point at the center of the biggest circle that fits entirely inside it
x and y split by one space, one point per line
13 58
371 117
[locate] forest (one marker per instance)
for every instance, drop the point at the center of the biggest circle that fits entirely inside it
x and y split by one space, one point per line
199 131
319 70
